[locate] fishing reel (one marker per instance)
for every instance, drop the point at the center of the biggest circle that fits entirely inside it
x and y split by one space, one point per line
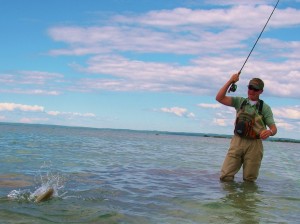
232 88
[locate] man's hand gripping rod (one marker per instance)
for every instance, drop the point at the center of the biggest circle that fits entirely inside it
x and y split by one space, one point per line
233 86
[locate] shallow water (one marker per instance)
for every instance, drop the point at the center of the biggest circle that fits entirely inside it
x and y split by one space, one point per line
114 176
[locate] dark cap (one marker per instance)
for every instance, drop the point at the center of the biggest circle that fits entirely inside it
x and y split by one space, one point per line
257 83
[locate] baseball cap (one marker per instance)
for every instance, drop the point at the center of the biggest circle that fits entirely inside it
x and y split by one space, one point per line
257 83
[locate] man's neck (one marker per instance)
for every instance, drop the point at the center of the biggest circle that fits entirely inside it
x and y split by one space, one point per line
252 102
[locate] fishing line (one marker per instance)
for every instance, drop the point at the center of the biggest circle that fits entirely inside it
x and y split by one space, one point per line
233 86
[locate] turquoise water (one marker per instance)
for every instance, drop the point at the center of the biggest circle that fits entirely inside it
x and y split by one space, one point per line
115 176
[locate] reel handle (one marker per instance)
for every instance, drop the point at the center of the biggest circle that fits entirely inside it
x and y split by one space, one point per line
233 86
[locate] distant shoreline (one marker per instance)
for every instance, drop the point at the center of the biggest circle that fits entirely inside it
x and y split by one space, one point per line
208 135
272 139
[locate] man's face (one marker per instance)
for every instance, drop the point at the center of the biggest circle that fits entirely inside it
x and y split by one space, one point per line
253 93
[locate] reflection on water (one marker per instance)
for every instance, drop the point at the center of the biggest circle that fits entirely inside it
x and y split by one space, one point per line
244 198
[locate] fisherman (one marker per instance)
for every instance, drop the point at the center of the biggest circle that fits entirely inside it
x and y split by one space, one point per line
253 115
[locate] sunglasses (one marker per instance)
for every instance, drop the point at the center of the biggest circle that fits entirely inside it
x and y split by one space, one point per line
253 88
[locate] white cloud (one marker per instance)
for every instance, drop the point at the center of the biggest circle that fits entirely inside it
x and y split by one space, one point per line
38 114
207 105
224 117
202 76
37 77
31 82
237 2
30 77
131 75
175 110
204 33
197 51
178 111
36 108
180 30
284 125
42 92
70 114
220 122
33 120
287 113
191 115
53 113
244 16
31 91
22 107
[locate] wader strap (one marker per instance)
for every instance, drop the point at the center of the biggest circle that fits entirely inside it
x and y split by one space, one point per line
259 105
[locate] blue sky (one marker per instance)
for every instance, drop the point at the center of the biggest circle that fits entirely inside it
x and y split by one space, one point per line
146 65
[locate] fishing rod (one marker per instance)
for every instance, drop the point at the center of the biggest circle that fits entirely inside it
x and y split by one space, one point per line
233 86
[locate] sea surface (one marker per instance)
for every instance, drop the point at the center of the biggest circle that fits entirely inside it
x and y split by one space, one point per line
122 176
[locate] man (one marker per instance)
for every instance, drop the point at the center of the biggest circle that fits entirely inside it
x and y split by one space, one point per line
253 115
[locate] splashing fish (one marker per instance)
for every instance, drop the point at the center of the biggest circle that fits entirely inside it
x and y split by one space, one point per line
50 185
43 195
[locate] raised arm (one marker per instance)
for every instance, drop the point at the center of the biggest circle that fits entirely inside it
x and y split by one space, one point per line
221 95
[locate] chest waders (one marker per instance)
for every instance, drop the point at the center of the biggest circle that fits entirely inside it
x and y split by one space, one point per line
245 121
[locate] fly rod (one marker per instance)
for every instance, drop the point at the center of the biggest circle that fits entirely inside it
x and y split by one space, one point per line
233 86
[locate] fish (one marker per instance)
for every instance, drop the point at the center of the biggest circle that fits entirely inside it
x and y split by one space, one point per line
44 196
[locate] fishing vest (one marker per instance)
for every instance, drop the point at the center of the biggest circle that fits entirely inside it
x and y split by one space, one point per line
249 124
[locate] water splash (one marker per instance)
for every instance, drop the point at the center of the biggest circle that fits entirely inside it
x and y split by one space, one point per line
45 180
19 195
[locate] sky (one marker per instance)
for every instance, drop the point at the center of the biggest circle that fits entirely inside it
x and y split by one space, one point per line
146 64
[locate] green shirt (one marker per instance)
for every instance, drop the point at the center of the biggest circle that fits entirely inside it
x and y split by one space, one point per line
267 115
